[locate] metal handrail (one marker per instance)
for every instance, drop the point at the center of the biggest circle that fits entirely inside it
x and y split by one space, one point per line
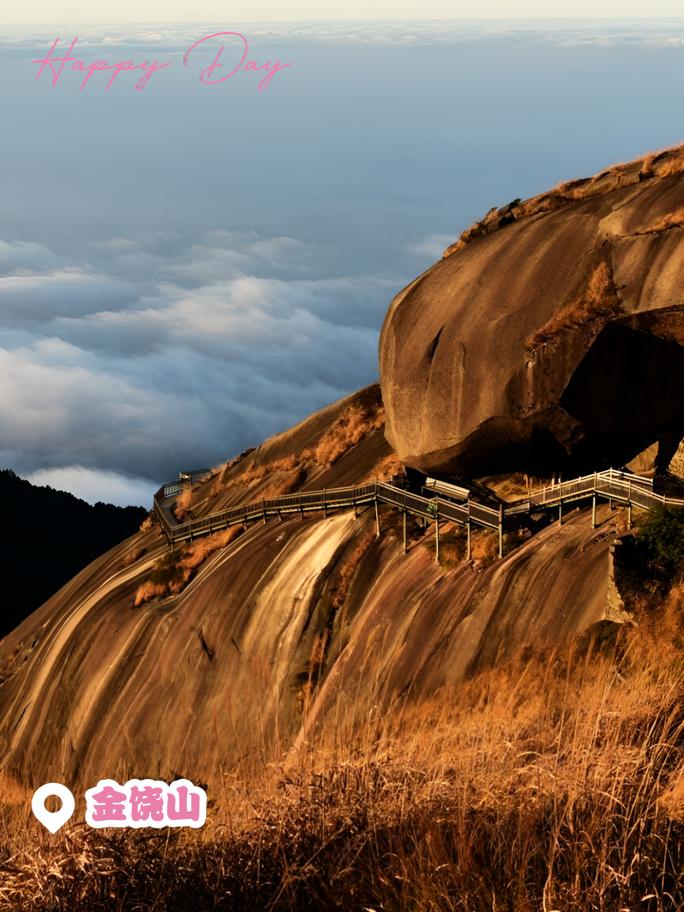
631 489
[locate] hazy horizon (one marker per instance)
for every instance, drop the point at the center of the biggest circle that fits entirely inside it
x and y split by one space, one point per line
350 10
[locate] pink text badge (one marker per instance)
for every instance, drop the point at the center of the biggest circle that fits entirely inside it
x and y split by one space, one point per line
145 803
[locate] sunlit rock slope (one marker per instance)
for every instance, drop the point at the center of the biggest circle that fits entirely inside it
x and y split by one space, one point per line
551 336
281 628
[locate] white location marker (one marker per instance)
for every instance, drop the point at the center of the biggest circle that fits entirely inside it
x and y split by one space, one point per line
52 820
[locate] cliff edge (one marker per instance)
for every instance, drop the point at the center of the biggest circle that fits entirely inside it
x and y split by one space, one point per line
549 337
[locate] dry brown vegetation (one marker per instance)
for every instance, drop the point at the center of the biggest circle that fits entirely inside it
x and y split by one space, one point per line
514 486
662 164
132 555
671 220
283 475
348 567
173 572
452 546
598 302
183 504
288 473
148 523
385 470
355 423
554 782
484 546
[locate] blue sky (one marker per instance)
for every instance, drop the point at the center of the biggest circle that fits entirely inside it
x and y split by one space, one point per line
187 269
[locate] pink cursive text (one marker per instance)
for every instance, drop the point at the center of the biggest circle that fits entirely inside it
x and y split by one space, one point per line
57 61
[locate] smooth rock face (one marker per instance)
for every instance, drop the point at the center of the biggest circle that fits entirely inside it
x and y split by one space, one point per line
292 625
548 340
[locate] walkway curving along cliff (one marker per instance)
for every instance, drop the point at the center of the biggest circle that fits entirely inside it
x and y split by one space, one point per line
451 503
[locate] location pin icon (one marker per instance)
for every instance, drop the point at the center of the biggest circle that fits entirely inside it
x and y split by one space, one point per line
52 820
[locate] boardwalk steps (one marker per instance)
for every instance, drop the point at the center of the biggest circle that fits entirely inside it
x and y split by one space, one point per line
611 485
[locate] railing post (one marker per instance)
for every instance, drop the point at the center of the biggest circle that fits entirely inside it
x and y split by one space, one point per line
468 542
614 487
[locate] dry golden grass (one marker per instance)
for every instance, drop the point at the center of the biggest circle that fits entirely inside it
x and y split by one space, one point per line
13 793
148 591
148 523
671 220
352 426
183 504
514 486
313 671
282 483
174 571
132 555
552 782
598 302
662 164
385 470
452 545
257 473
348 429
348 566
288 473
284 476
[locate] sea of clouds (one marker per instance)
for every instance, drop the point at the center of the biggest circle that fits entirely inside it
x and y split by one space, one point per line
185 271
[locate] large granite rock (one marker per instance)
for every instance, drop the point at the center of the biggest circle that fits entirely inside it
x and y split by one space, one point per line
551 336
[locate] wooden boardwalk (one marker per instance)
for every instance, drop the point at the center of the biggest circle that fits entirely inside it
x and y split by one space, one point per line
450 503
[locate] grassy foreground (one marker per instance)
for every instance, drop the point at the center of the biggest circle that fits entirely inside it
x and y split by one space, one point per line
553 783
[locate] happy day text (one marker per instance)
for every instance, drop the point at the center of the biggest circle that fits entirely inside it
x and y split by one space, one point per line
218 71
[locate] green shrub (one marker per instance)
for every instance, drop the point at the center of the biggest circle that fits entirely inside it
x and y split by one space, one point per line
661 531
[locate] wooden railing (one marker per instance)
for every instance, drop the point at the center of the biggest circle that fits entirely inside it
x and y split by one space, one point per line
329 499
611 485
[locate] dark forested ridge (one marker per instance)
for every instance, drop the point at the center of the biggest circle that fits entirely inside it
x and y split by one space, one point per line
46 537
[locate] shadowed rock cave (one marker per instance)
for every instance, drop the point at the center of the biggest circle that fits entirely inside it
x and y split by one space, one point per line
625 395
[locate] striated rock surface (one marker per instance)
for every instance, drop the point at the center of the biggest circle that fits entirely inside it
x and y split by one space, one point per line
278 630
550 337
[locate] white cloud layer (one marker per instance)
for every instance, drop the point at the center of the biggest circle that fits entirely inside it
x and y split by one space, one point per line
432 246
93 486
176 37
137 363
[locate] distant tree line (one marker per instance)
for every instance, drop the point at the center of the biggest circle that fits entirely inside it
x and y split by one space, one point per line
46 537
